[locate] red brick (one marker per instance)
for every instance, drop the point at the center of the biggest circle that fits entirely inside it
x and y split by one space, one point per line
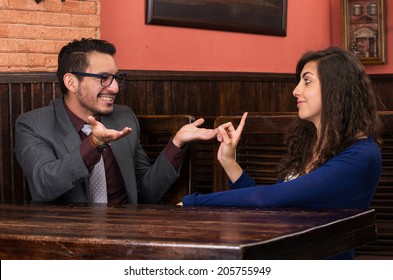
16 31
3 3
17 59
8 45
79 7
25 5
53 6
85 20
4 30
4 61
60 44
5 16
39 46
35 60
31 34
51 62
56 19
83 32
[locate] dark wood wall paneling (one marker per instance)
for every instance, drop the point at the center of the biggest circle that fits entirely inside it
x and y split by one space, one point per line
201 94
19 92
207 93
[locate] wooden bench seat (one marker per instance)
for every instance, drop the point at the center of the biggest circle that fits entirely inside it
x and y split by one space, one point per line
262 146
260 149
156 130
383 199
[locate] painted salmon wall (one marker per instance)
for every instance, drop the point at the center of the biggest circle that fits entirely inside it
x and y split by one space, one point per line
310 25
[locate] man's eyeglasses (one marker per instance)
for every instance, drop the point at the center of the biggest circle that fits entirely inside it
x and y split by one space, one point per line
105 78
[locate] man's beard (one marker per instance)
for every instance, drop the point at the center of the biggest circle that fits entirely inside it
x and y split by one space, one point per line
91 104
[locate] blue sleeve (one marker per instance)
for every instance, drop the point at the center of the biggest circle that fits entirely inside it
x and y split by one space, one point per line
348 180
244 181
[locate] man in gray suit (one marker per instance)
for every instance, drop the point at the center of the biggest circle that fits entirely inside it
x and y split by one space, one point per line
58 156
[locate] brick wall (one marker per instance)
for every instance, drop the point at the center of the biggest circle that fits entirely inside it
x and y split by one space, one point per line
31 34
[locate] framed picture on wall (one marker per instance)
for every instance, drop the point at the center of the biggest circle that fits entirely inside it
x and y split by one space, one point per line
364 29
267 17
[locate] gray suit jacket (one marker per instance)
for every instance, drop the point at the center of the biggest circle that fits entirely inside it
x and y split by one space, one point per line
47 149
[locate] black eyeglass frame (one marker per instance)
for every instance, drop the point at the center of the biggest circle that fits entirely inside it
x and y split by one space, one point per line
120 77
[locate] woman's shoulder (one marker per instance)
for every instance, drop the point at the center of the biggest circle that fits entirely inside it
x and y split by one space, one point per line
365 144
364 149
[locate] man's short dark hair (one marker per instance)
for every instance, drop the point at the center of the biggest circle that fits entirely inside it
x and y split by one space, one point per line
73 56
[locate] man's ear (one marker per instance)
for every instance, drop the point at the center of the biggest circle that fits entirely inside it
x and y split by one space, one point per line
71 82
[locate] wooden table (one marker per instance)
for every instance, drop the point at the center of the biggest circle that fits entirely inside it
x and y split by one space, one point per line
35 231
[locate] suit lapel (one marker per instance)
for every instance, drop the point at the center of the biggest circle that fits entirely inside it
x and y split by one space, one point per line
120 148
71 137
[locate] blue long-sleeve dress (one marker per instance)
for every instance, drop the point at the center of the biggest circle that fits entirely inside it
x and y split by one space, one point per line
347 180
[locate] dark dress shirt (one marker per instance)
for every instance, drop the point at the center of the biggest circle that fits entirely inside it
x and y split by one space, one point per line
114 180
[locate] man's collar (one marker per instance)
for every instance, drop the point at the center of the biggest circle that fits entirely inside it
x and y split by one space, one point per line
76 121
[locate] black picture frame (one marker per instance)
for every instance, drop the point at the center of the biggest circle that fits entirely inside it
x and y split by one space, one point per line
364 29
267 17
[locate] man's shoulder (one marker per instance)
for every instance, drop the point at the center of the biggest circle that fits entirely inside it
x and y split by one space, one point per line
121 107
123 116
41 111
122 110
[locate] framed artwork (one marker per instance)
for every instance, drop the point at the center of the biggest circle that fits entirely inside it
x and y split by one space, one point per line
267 17
364 29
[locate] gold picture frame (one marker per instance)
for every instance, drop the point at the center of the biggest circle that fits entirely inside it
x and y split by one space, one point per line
364 29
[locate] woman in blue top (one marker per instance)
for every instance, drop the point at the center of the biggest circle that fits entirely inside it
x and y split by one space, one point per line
333 158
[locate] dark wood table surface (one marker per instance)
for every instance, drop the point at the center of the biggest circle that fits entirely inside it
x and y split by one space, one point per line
33 231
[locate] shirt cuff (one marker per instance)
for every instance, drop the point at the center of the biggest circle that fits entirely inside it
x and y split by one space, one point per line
175 154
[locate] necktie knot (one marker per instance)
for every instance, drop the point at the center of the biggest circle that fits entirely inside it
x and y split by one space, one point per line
98 191
86 129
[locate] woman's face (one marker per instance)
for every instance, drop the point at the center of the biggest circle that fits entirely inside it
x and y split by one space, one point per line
308 94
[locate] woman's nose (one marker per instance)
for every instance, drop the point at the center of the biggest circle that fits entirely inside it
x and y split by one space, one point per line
296 91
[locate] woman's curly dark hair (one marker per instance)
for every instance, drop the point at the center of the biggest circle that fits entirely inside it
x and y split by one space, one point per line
349 108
